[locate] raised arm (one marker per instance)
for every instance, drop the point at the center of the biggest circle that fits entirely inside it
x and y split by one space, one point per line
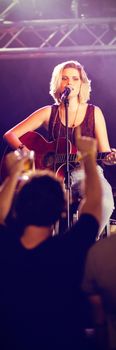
7 189
34 121
92 202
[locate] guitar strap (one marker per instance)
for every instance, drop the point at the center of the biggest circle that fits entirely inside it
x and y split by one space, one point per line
52 123
58 137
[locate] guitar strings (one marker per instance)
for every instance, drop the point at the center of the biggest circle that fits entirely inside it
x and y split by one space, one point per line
59 111
74 126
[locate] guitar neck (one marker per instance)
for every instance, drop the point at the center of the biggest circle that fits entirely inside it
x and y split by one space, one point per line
73 157
102 155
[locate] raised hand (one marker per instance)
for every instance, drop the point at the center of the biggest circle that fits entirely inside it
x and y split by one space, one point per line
13 164
86 145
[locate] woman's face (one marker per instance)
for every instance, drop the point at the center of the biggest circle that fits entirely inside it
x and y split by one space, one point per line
71 78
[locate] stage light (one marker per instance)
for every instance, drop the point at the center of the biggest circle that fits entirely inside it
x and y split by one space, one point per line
39 9
56 9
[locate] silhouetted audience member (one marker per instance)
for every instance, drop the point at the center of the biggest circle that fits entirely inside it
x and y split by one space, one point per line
41 303
100 285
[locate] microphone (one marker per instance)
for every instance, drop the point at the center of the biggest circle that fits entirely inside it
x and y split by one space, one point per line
65 93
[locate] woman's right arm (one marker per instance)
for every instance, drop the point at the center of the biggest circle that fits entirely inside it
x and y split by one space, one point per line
34 121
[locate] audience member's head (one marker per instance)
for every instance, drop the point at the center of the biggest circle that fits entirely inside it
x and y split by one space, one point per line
40 201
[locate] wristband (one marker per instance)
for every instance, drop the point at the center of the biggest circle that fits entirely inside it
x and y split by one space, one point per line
21 146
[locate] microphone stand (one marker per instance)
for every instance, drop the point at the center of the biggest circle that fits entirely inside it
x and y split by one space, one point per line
67 176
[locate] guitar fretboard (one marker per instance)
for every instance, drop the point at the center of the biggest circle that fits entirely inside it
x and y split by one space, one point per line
73 157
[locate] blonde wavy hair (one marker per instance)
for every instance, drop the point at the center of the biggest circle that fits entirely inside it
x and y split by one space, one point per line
55 83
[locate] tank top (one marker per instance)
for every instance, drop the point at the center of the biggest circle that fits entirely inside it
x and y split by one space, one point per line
56 129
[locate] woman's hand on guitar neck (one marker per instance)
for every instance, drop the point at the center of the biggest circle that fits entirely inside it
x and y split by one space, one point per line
110 158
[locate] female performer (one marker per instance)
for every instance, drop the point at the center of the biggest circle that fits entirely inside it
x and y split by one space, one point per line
69 78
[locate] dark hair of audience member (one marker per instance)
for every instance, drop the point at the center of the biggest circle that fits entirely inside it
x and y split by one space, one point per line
39 202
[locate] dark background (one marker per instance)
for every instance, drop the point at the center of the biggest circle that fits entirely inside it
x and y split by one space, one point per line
24 86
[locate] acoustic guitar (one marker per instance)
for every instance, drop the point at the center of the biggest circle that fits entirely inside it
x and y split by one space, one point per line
51 155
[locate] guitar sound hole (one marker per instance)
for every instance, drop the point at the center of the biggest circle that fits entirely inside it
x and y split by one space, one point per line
48 160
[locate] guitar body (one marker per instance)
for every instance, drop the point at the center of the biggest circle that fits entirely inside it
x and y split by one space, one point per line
49 155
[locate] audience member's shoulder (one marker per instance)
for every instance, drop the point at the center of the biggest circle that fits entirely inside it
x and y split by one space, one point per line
3 230
5 239
87 226
88 219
